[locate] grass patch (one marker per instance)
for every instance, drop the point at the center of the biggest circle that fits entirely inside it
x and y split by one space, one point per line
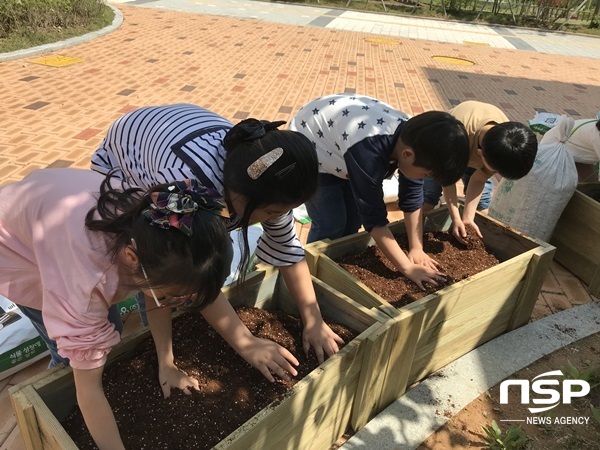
28 23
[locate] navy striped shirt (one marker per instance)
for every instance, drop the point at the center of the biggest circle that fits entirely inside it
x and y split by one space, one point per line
161 144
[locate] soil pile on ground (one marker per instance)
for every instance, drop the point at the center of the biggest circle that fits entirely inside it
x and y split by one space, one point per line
456 260
231 391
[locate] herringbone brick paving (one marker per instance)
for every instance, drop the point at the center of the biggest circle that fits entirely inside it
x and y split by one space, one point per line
56 117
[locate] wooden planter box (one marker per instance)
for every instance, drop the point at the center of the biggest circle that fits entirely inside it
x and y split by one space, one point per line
577 237
462 316
314 414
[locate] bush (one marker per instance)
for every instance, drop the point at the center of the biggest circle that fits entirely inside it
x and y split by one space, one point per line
30 16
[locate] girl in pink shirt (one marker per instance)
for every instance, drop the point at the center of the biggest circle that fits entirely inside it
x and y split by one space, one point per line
68 255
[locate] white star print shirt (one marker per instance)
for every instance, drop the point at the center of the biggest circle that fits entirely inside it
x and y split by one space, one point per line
336 123
354 136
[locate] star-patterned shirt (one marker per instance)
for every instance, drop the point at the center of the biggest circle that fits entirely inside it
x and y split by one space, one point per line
354 136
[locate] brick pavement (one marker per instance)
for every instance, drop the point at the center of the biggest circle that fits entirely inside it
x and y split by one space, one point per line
242 68
56 117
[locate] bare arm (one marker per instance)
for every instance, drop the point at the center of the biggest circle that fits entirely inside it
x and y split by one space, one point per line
458 227
316 332
389 246
414 229
472 196
263 354
169 376
96 411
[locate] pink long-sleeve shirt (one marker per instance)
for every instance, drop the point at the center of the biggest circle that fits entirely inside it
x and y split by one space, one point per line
51 262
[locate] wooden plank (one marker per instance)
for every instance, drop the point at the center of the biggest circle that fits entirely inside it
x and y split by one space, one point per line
451 338
536 274
312 252
26 418
54 437
386 366
349 244
377 349
341 280
500 282
333 303
504 241
594 286
577 237
42 377
402 356
316 409
257 290
50 434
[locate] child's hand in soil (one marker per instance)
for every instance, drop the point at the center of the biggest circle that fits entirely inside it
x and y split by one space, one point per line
169 376
418 256
420 274
319 336
269 357
462 228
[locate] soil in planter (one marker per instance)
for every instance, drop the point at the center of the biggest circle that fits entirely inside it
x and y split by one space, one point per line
456 260
594 194
231 391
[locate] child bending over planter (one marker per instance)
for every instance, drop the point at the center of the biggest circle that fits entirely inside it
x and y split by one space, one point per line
262 172
68 255
496 145
360 141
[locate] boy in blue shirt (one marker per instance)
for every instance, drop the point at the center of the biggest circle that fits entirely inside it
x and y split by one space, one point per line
360 141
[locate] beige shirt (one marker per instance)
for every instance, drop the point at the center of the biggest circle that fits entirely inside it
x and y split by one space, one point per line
474 116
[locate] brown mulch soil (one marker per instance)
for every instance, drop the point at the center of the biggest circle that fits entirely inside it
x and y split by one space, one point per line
231 391
457 261
594 193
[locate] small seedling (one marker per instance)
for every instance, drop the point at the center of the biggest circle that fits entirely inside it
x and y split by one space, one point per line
514 439
590 374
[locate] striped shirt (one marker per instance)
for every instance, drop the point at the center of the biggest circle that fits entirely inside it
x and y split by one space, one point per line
161 144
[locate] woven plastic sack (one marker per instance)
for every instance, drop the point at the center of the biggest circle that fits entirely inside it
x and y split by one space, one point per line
20 343
533 204
543 121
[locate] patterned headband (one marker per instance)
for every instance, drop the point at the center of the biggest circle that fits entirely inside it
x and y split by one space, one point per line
176 207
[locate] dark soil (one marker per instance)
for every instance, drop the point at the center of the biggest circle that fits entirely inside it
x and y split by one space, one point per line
457 261
594 193
231 391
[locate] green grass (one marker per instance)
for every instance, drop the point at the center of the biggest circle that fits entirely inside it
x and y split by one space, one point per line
26 37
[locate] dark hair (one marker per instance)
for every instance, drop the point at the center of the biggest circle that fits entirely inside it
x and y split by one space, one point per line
290 180
440 143
598 125
510 148
199 263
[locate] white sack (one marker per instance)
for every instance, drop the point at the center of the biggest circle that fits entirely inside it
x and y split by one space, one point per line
533 204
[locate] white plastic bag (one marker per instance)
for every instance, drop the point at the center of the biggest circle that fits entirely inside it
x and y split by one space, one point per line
20 343
254 233
533 204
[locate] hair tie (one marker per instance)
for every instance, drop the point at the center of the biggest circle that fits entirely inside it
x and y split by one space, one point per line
252 129
176 206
